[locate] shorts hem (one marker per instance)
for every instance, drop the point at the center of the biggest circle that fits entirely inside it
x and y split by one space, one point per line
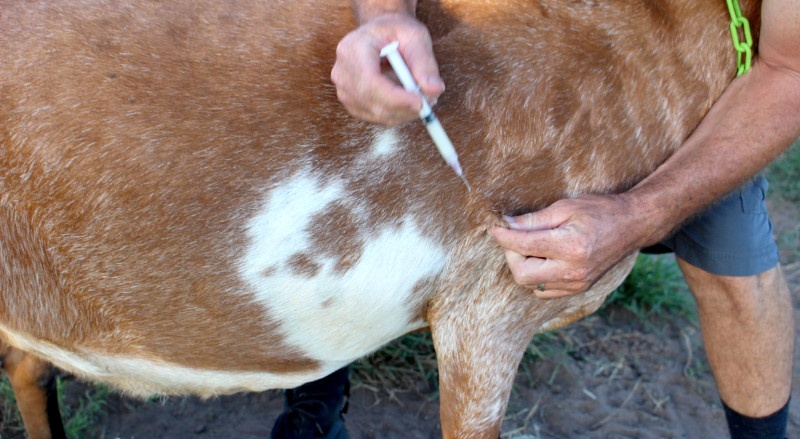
728 264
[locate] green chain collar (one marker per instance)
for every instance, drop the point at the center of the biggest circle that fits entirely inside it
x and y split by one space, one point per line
740 27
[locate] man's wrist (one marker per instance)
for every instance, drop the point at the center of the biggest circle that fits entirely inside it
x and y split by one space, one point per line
650 219
366 10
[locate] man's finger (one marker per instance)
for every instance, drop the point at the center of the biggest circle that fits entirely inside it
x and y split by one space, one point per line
540 244
531 271
553 294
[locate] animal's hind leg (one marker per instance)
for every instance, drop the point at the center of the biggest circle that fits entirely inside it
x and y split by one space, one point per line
34 387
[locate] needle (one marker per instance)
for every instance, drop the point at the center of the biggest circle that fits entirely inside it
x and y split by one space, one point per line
434 127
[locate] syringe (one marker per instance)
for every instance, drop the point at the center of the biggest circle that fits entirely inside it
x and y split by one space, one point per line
440 139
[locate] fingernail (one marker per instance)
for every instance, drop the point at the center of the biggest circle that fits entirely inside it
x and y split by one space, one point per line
436 81
512 222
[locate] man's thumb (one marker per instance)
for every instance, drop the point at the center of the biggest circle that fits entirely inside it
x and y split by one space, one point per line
530 221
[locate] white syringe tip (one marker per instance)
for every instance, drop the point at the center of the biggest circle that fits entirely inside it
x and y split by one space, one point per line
456 167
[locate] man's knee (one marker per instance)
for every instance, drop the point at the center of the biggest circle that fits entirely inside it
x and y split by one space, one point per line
743 296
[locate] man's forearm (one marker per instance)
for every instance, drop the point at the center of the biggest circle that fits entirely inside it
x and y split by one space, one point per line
754 121
364 10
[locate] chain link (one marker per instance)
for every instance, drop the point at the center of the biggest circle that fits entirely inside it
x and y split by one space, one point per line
740 28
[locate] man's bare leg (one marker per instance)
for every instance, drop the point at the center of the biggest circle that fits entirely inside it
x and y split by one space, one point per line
748 331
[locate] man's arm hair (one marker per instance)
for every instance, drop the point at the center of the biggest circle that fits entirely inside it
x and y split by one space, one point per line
779 43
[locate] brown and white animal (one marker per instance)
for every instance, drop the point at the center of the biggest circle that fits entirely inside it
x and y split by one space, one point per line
185 208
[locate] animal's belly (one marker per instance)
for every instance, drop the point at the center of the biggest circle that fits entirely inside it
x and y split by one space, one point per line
143 376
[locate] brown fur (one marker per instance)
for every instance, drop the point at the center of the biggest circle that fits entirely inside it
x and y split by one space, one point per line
136 140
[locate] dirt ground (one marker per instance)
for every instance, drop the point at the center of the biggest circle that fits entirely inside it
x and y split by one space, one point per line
616 378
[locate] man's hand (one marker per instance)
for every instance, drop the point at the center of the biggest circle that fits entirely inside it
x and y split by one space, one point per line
361 84
568 246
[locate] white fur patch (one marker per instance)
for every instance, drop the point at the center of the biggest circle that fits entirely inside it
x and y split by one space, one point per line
386 142
278 231
334 315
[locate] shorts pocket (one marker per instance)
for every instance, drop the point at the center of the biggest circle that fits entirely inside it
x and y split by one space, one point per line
754 195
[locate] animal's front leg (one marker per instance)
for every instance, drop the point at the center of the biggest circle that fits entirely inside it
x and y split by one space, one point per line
482 322
479 344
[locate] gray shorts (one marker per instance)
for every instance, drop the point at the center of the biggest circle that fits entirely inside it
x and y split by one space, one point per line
733 237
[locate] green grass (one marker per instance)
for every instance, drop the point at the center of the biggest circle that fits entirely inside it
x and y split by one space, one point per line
10 421
655 287
784 175
784 197
79 416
